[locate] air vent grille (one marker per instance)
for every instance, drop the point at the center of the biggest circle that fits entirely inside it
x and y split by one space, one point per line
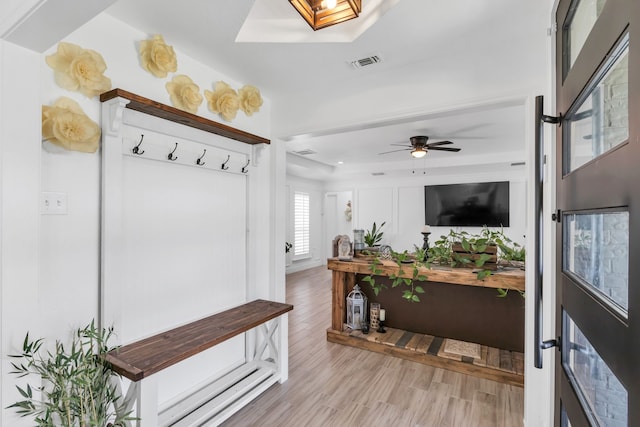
377 173
364 62
305 152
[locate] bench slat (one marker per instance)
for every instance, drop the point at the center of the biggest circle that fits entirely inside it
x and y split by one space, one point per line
150 355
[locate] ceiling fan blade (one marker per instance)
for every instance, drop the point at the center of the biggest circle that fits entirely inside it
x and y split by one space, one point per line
434 144
444 149
393 151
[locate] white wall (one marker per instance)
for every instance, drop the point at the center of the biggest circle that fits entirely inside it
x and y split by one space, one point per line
400 203
50 264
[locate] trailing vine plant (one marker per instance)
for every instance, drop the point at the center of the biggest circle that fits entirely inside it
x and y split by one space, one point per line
375 271
475 245
410 294
416 260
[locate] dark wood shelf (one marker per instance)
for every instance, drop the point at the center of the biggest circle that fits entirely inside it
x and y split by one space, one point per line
153 108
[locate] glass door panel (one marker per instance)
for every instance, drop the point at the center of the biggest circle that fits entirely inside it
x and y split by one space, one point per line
599 390
580 20
601 120
596 253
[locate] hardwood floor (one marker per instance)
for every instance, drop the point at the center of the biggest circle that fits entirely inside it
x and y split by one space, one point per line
334 385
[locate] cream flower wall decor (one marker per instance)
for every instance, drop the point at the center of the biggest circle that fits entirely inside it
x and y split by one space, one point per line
66 125
157 57
184 93
250 99
79 69
223 100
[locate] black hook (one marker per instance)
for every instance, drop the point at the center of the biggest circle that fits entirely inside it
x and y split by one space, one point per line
224 166
136 149
171 156
199 161
245 167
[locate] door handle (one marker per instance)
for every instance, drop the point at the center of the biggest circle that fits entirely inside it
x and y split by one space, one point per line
544 345
540 120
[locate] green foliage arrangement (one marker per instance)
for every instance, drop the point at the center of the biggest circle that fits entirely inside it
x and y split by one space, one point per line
374 236
475 244
75 388
402 259
410 294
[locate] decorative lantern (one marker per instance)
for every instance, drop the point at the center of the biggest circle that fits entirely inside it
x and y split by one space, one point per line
356 308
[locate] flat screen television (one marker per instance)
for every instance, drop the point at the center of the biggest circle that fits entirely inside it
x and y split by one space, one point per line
467 205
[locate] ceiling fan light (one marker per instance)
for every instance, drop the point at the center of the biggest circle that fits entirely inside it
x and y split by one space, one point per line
418 152
331 4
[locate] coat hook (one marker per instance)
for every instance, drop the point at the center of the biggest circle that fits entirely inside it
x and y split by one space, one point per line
245 168
224 166
136 149
199 161
171 156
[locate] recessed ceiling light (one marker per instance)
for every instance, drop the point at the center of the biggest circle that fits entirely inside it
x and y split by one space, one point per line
340 162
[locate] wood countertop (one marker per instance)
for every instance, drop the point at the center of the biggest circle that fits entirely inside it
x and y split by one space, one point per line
506 278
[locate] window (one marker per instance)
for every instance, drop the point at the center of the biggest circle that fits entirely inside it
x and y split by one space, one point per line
301 224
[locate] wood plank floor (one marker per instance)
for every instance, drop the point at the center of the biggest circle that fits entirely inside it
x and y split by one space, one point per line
334 385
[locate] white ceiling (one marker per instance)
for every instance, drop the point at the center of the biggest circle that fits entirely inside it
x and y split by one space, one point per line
267 43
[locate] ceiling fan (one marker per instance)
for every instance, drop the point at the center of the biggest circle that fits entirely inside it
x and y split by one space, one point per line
419 146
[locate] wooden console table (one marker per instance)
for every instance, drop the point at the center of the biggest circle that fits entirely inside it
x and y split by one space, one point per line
455 306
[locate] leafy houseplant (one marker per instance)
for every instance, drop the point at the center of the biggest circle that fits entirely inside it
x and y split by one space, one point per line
374 236
78 389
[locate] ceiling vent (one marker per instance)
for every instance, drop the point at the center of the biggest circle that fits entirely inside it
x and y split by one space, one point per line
518 164
364 62
377 173
305 152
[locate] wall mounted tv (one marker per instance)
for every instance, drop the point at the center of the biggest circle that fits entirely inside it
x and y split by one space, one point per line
467 205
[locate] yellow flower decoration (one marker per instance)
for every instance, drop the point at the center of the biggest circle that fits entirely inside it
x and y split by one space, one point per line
250 99
184 93
66 125
223 100
79 69
157 57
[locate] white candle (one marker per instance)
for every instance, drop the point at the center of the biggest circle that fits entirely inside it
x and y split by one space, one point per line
382 314
426 229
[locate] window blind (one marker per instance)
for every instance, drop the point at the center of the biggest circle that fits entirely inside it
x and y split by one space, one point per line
301 224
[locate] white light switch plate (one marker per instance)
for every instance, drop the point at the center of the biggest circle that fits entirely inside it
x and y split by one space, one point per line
53 203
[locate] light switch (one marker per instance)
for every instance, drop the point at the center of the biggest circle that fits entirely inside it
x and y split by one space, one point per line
53 203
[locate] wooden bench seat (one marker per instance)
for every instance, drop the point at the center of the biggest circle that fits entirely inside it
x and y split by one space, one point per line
141 359
150 355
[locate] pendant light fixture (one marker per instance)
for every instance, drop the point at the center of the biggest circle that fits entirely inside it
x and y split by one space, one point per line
325 13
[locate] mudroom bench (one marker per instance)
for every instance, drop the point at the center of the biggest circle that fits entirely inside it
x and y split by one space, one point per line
214 403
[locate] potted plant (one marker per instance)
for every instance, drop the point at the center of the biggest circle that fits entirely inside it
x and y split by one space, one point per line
75 388
373 237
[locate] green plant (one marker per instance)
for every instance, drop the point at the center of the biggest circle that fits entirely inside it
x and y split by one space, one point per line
374 236
417 260
475 244
398 279
375 271
77 389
